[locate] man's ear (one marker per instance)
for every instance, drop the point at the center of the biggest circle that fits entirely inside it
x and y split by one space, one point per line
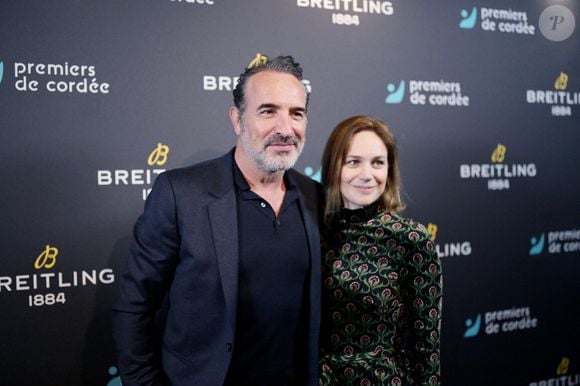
235 118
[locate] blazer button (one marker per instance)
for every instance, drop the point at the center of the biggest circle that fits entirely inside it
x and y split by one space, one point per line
228 347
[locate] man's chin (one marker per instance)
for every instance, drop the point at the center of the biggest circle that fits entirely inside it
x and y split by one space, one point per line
280 163
281 155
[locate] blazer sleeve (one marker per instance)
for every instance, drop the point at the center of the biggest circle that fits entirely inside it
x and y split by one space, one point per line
144 285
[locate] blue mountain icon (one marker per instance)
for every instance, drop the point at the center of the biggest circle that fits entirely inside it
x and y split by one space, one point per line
472 327
469 20
310 173
537 245
116 381
395 95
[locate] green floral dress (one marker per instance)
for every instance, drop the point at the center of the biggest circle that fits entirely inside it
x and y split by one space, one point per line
382 288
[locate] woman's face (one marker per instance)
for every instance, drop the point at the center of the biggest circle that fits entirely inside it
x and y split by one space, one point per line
365 170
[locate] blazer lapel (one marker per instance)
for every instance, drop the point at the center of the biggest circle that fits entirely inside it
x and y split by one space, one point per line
309 201
223 218
224 227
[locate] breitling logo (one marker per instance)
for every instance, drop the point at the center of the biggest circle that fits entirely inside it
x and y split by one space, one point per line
448 249
258 60
137 177
47 258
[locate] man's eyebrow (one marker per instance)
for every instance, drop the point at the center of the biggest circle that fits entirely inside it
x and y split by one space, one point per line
277 107
268 106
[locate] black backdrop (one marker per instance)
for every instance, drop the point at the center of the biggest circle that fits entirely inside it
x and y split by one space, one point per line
99 96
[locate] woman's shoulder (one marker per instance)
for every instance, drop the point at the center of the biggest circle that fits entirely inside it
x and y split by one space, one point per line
403 224
409 232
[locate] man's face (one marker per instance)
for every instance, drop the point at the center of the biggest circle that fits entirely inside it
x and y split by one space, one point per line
271 132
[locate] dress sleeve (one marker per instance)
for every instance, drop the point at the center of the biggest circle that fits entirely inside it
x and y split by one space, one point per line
422 296
143 286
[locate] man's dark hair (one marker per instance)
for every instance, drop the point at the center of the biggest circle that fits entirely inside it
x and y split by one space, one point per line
283 64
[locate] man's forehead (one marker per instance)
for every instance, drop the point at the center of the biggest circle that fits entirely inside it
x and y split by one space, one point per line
272 79
275 87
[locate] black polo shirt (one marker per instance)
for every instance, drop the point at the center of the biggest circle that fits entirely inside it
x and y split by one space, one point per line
273 271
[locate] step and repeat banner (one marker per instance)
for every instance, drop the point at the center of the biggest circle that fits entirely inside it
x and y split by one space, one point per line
100 97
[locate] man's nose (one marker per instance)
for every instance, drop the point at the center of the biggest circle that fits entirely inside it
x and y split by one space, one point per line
284 125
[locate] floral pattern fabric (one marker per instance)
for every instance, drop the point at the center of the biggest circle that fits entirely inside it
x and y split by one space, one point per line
382 287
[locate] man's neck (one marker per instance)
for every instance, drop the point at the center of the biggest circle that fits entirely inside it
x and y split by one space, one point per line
269 186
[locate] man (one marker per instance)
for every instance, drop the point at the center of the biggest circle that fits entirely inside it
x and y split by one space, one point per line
229 251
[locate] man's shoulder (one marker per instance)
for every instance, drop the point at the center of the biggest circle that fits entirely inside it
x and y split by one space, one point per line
302 179
211 168
304 182
306 185
212 176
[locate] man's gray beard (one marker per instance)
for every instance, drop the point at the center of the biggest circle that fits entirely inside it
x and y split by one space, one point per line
285 161
272 164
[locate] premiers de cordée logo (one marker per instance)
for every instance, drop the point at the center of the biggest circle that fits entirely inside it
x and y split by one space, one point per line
555 242
497 20
501 321
556 22
427 92
64 78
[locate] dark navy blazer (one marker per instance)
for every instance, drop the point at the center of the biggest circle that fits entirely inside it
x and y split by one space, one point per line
184 261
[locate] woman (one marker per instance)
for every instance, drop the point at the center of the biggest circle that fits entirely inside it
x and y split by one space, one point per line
381 275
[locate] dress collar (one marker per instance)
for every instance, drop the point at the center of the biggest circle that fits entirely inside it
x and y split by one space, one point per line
363 214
